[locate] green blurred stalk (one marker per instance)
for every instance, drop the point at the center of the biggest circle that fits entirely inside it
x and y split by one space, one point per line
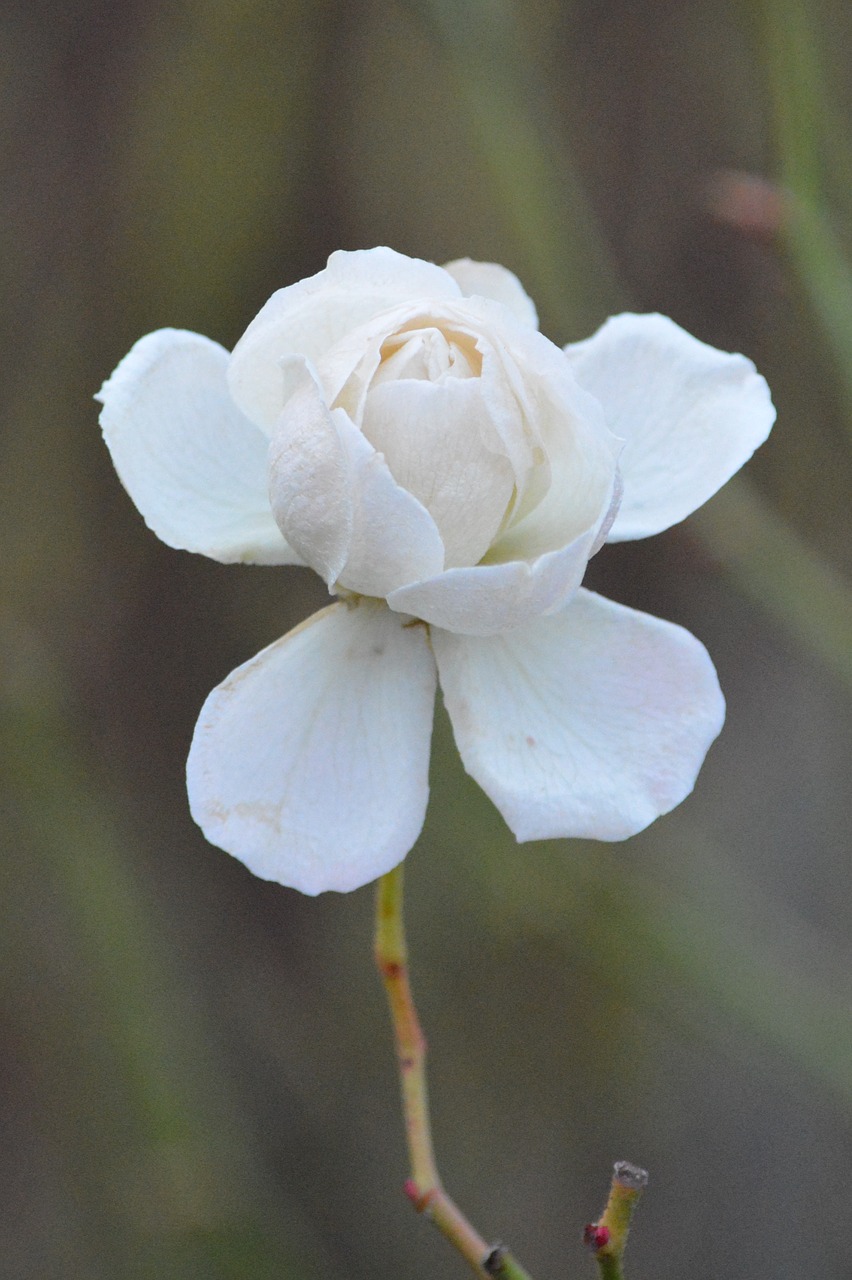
806 131
679 906
795 81
771 565
825 275
731 943
534 179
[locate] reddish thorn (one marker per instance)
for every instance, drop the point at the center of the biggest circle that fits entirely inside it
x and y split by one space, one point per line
596 1237
420 1199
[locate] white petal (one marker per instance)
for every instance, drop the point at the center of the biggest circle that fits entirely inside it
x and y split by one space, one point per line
435 437
491 598
691 416
312 316
581 451
590 723
309 489
339 505
490 280
190 460
310 762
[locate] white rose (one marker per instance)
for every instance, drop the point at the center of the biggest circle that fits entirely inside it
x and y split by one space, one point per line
405 430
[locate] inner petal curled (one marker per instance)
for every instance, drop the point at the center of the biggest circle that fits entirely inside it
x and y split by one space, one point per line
433 437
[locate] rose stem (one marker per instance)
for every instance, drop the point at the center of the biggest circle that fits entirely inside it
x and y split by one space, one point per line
608 1236
424 1188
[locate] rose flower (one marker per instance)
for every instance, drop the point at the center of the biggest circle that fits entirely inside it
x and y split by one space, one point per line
406 431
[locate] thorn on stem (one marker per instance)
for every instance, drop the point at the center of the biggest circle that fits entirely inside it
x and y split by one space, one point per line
595 1236
420 1199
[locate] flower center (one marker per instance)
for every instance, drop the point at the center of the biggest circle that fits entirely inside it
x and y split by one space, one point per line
427 354
426 413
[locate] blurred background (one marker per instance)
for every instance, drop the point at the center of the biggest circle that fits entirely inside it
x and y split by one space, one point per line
196 1071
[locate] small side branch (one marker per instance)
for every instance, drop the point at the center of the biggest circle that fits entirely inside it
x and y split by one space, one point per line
607 1237
424 1187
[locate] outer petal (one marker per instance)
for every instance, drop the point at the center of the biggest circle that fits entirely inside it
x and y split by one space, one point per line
490 280
336 499
490 598
691 416
310 317
590 723
310 763
192 463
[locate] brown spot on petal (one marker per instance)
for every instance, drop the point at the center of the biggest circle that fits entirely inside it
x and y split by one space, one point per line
268 815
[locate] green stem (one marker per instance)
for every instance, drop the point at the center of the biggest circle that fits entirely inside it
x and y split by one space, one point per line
424 1188
610 1268
608 1236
